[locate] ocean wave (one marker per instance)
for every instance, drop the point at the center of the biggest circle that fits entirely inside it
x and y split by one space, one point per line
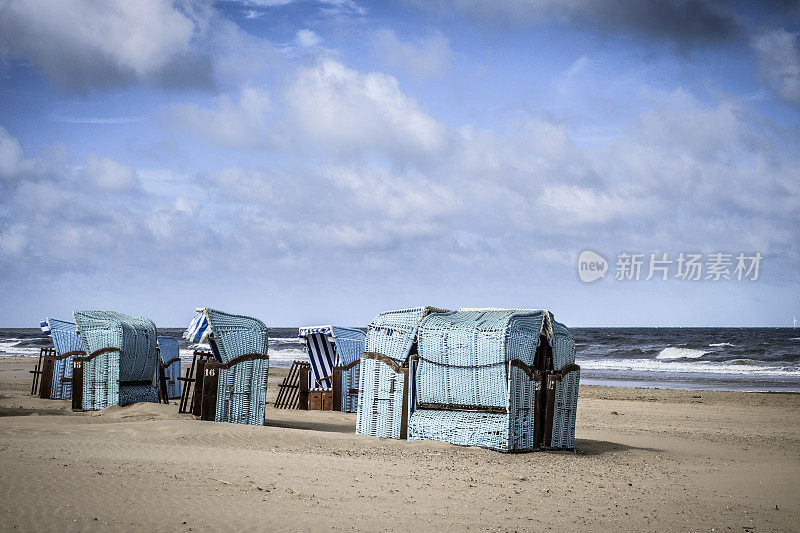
716 344
671 352
19 348
281 354
681 367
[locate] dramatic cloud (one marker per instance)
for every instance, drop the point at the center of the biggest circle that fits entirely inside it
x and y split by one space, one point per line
423 58
682 21
778 53
82 44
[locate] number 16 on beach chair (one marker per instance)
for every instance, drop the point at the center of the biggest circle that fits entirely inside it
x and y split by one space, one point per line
335 353
383 384
121 362
235 385
57 366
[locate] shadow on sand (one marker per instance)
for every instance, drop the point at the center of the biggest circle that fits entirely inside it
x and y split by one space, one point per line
314 425
600 447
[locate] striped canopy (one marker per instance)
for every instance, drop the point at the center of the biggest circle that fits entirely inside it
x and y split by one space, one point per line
321 354
198 330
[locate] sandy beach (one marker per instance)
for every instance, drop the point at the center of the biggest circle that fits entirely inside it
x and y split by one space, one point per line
647 460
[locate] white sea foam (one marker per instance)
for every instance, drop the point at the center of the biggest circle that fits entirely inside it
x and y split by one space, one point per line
721 344
282 353
671 352
686 367
15 348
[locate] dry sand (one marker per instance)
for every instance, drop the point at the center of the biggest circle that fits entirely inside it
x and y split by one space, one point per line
647 460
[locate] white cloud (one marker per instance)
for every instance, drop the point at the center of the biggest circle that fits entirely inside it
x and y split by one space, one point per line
11 156
777 51
423 58
106 175
232 123
13 240
307 38
80 43
352 111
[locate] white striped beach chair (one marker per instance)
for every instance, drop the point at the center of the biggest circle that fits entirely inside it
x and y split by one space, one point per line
334 353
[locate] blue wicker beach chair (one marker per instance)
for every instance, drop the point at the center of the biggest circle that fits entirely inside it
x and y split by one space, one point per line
121 365
477 382
171 364
382 399
562 390
335 353
67 344
234 387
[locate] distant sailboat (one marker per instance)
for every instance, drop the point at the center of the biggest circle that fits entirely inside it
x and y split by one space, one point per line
794 322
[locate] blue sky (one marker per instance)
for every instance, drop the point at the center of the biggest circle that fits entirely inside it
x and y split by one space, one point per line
318 162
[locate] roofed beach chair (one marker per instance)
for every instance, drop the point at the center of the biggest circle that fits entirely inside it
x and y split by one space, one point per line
121 365
335 353
235 386
171 366
57 369
383 382
478 379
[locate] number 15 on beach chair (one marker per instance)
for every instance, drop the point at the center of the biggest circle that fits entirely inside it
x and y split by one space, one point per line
235 385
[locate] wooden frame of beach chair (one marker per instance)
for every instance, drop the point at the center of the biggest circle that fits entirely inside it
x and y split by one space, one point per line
293 391
37 372
47 356
51 377
191 391
383 400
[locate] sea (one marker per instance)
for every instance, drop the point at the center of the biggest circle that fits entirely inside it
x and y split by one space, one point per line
748 359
